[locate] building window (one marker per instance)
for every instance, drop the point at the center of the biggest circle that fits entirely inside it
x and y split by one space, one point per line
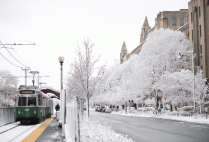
201 49
201 67
191 17
181 21
192 35
208 2
199 12
174 21
200 31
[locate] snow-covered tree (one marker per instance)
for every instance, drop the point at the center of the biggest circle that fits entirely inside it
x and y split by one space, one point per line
84 74
134 79
200 88
8 84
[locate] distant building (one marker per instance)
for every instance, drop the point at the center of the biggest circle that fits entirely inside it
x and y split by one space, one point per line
193 22
175 20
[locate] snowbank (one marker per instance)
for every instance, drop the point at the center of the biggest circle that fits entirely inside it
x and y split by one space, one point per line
100 132
196 119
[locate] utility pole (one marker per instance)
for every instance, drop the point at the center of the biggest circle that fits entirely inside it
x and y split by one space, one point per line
26 70
34 72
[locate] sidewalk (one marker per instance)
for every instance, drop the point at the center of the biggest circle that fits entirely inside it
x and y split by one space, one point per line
53 133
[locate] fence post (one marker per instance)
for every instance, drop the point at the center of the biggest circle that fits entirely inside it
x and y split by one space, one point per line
78 120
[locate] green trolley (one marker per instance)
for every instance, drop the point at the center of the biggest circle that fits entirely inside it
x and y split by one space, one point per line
32 105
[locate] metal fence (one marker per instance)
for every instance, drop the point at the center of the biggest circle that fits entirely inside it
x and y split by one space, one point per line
6 115
73 112
181 113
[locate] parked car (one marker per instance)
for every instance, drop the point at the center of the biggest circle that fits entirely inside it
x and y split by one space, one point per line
100 110
108 110
103 110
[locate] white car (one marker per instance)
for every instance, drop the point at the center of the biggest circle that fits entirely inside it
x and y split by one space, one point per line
108 110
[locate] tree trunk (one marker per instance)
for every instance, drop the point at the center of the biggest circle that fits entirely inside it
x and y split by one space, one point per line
87 106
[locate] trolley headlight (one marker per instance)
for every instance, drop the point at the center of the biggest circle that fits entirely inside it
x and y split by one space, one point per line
18 111
34 111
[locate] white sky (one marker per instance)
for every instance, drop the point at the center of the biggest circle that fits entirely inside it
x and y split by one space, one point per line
56 26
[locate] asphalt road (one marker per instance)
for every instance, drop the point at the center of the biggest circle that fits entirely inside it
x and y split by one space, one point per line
142 129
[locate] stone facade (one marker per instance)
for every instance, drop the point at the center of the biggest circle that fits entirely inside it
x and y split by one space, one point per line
193 22
144 30
163 20
171 19
199 33
123 53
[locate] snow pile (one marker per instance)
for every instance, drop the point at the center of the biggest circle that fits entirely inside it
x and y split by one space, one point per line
97 131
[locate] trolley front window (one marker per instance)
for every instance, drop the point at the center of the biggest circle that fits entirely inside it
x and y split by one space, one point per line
31 101
22 101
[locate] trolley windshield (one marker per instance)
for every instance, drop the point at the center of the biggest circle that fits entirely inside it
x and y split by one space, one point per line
31 101
27 101
22 101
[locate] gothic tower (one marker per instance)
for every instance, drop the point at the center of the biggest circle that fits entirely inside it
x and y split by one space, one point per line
144 30
123 52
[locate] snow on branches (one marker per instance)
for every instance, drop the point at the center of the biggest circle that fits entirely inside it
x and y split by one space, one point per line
156 67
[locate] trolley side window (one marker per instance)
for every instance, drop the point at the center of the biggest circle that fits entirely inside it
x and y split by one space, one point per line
31 101
22 101
40 100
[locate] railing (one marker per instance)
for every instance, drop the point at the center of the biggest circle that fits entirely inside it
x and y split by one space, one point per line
6 115
181 113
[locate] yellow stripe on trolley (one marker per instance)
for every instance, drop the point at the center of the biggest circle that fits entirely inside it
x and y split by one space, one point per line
37 132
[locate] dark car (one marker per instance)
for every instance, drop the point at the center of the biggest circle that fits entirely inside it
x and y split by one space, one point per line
101 109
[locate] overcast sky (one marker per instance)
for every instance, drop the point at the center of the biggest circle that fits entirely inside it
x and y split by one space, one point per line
56 26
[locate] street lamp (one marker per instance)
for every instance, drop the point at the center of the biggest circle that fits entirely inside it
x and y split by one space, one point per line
179 57
61 61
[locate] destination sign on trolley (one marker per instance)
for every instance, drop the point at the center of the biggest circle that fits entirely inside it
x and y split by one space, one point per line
27 92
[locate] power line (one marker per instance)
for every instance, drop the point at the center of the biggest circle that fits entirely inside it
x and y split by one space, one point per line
10 62
11 53
30 43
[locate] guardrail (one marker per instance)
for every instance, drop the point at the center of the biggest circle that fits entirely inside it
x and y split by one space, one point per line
6 115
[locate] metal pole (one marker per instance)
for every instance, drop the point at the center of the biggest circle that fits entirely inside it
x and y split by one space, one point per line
62 100
126 93
38 80
193 79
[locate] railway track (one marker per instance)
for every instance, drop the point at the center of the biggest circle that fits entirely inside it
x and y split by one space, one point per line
14 139
9 129
16 132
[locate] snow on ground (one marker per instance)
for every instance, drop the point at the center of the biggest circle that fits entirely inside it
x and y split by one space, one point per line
8 126
17 134
196 119
97 131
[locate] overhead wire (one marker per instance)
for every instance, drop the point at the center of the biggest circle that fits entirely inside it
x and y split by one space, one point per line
10 62
11 54
30 43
